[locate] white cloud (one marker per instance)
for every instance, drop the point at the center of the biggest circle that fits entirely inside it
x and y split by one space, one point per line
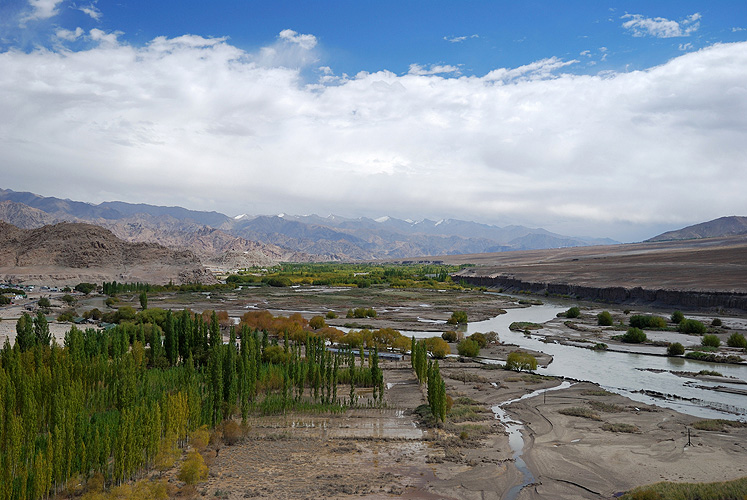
68 35
434 69
198 122
685 46
304 41
661 27
42 9
459 39
91 10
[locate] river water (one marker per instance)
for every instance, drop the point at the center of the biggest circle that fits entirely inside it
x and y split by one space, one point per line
623 373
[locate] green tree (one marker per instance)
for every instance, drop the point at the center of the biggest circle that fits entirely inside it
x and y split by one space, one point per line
85 288
41 329
25 337
143 300
317 322
193 469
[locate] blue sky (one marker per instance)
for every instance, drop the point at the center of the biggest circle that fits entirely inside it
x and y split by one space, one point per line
566 115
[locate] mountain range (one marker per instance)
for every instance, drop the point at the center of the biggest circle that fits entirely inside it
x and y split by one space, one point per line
223 241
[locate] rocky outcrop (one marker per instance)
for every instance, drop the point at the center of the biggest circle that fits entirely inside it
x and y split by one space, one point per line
68 252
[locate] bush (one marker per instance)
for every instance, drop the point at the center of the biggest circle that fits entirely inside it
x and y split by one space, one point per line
468 348
716 322
677 317
675 349
331 315
604 318
519 361
193 469
573 312
317 322
457 317
692 326
44 302
643 321
85 288
737 340
479 338
437 347
634 336
449 336
710 341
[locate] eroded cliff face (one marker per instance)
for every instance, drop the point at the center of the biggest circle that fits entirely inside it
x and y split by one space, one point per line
72 253
686 299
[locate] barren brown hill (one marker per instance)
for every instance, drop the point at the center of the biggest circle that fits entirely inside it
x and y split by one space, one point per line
723 226
709 272
24 216
72 252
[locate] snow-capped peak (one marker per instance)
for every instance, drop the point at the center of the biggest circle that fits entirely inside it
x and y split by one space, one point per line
439 222
382 219
281 215
242 216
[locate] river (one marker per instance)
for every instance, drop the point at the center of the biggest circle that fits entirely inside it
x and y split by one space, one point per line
623 373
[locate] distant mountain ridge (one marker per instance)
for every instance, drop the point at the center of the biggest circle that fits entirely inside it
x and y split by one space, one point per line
723 226
264 239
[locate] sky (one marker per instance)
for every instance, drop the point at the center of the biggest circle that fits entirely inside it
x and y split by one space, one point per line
617 119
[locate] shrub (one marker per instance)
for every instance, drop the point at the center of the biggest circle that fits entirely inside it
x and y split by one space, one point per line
634 336
457 317
710 341
716 322
274 354
519 361
580 411
644 321
692 326
193 469
331 315
199 438
604 318
68 315
479 338
437 347
736 340
85 288
677 317
621 428
675 349
468 348
317 322
449 336
573 312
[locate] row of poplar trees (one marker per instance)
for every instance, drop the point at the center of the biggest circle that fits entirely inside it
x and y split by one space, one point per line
123 401
428 372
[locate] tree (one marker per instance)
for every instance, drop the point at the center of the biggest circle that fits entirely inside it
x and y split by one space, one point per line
44 303
634 336
478 337
521 361
25 332
143 300
41 329
468 348
449 336
675 349
438 347
604 318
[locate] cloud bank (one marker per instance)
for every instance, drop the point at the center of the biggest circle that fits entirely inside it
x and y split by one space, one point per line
200 123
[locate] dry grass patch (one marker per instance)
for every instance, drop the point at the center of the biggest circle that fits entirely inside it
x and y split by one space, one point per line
605 407
717 424
631 429
580 411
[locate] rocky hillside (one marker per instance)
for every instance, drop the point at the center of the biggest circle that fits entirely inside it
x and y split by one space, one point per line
723 226
73 252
